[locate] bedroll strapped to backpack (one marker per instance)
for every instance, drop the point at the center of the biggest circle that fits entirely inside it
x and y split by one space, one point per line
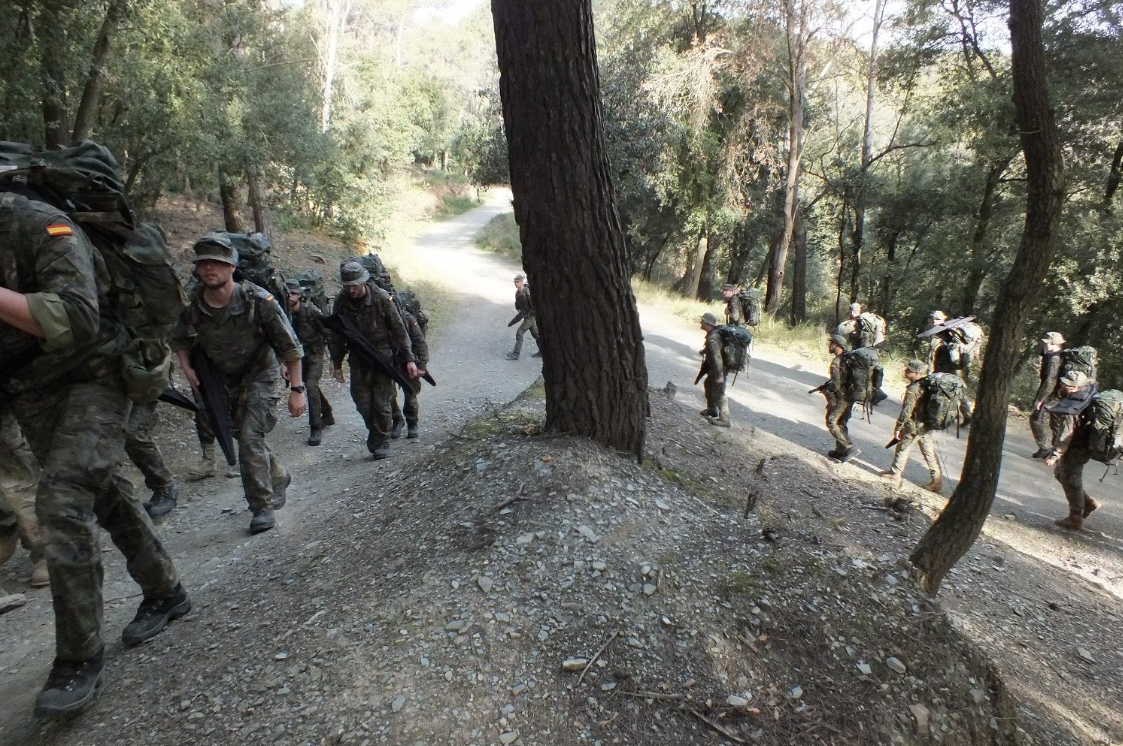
862 375
735 344
870 329
750 305
412 304
315 291
1104 416
1080 359
942 394
146 296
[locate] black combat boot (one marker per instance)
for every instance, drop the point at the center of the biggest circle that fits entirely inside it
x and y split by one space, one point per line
411 430
537 354
380 452
396 428
328 420
512 356
262 520
162 501
279 491
70 687
316 436
154 614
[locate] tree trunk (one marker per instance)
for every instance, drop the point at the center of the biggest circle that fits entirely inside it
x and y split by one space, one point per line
53 76
857 238
262 220
980 263
962 519
91 93
230 192
886 279
694 269
706 278
799 272
565 204
337 11
1114 175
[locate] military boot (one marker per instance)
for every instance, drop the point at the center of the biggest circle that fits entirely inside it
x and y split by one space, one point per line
850 453
380 452
280 490
936 485
894 480
162 501
1073 521
328 419
154 614
262 520
512 356
396 428
71 687
1089 506
1041 453
537 354
205 467
316 436
40 575
411 430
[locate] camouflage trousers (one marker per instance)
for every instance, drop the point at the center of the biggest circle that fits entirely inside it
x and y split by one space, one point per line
1069 471
411 408
529 324
255 416
1041 425
926 440
838 420
19 479
142 449
716 401
77 433
312 370
373 392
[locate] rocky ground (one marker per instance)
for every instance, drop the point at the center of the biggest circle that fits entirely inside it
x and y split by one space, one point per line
493 584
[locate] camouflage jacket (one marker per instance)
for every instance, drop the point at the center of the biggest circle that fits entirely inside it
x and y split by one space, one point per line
308 323
378 319
241 338
711 354
522 300
48 259
1050 374
1066 419
734 314
908 421
416 339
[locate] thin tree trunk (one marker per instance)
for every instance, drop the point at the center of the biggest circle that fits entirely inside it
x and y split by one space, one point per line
565 205
857 237
961 521
337 12
230 193
886 279
980 264
799 272
694 269
53 75
706 276
91 93
259 203
1114 176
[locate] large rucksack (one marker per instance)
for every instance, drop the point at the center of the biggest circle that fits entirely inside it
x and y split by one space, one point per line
861 374
412 304
735 344
870 329
964 342
1079 359
1104 416
372 264
941 394
145 296
749 299
315 291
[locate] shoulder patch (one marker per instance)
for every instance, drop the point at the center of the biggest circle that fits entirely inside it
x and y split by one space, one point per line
59 229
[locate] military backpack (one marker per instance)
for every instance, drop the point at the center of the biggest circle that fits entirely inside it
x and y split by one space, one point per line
870 329
145 296
941 395
1079 359
1104 417
749 298
412 304
314 290
735 344
861 374
965 340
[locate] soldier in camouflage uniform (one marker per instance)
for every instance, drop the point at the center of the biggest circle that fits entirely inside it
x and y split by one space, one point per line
1070 450
19 479
421 357
1041 422
713 367
940 360
242 330
373 312
838 408
734 313
910 428
61 376
308 323
145 455
524 306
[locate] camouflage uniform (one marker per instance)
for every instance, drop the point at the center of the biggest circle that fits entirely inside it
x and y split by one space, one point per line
734 313
912 430
940 361
67 394
717 405
838 408
1071 446
308 323
19 479
377 318
529 324
243 341
1041 422
142 449
421 355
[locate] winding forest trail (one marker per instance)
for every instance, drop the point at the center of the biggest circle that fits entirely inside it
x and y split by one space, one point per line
206 534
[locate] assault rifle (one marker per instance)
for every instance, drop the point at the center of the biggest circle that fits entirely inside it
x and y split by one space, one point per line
173 397
216 403
367 352
518 317
893 442
825 387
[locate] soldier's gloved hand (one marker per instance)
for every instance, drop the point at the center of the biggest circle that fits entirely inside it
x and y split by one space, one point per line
337 374
297 403
412 370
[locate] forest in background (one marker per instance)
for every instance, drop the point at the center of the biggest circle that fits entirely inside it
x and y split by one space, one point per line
827 152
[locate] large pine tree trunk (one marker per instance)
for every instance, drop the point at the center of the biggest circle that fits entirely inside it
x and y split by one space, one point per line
962 519
573 242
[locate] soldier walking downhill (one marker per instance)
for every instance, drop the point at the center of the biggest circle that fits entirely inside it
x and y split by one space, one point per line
1071 452
910 428
525 308
61 375
1041 421
372 311
308 323
713 368
242 331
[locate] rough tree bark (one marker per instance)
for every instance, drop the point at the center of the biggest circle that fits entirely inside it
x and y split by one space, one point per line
799 271
693 272
565 204
91 92
230 193
1114 175
962 519
52 72
980 262
259 203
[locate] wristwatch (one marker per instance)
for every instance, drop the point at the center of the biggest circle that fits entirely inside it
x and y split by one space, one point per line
298 389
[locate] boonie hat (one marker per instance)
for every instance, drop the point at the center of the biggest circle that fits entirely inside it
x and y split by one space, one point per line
294 287
839 340
353 273
728 286
216 247
1053 338
916 366
709 318
1076 378
520 277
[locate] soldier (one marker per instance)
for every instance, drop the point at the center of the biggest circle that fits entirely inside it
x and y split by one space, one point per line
242 330
910 428
1070 450
376 317
942 360
308 323
525 309
734 313
713 368
838 407
412 407
1040 421
61 375
19 479
145 454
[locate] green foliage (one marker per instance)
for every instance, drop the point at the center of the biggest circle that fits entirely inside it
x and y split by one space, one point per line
501 236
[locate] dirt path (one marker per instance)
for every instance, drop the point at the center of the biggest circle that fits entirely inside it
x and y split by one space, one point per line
207 532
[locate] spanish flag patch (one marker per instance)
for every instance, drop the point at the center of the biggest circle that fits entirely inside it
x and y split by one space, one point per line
59 229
